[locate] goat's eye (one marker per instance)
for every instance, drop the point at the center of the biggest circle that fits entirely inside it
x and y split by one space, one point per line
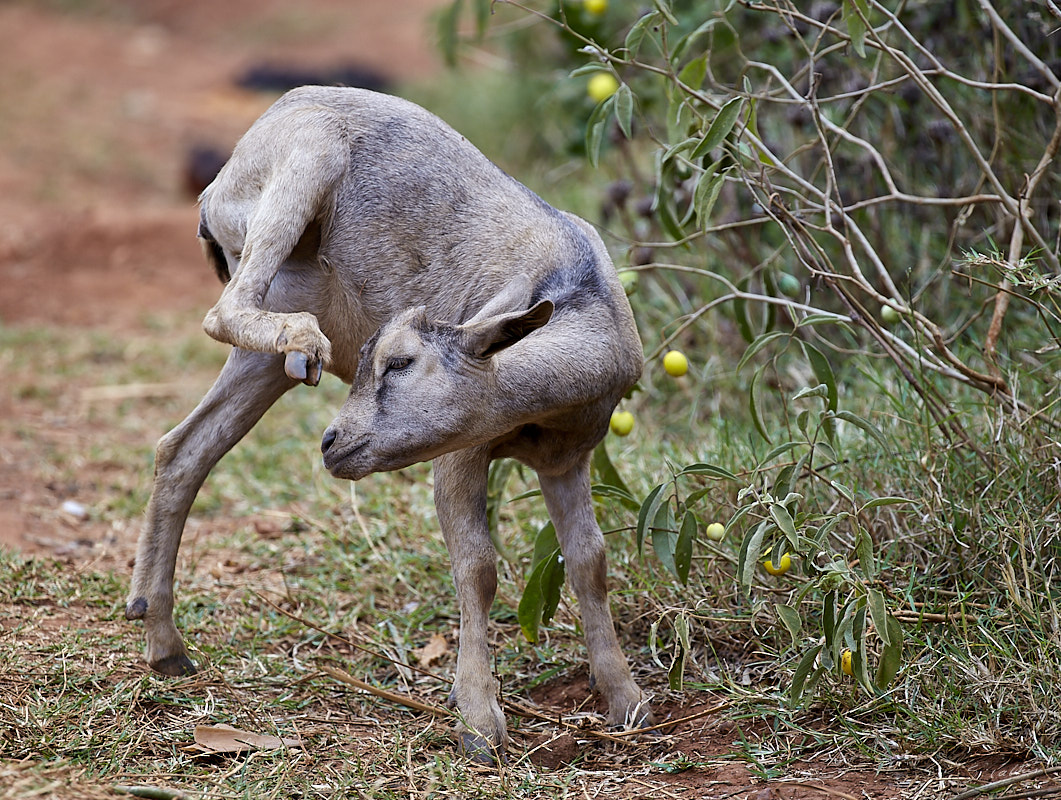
397 364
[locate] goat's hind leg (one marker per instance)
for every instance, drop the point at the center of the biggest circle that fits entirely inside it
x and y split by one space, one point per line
248 385
569 501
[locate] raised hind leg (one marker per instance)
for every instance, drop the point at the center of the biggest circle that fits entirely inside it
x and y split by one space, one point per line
248 385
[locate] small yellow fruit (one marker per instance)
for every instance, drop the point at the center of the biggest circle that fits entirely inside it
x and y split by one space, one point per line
782 566
602 86
622 423
629 279
888 315
845 663
675 363
595 7
715 531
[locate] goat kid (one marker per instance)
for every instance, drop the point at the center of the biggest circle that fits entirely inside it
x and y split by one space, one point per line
359 234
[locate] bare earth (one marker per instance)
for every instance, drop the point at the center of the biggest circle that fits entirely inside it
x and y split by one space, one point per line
97 229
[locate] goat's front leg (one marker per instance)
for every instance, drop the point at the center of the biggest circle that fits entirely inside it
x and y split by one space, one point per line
248 384
460 499
569 501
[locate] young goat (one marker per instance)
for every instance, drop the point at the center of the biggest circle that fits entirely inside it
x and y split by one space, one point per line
361 235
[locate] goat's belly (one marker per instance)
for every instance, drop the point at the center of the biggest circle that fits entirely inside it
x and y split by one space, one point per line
549 451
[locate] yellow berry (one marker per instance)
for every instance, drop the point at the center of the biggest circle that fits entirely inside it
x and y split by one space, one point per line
675 363
845 663
782 566
715 531
622 423
595 7
602 86
888 315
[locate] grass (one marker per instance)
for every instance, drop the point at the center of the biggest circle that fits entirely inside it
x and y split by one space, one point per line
271 530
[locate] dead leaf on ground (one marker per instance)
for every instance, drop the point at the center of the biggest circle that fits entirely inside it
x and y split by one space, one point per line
435 650
226 739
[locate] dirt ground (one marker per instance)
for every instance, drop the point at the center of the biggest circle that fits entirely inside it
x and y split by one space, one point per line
100 107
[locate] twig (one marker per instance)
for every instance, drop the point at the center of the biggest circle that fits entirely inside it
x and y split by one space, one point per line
672 722
394 697
817 788
153 792
990 787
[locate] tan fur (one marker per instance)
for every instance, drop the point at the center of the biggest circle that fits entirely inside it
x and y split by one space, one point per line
367 238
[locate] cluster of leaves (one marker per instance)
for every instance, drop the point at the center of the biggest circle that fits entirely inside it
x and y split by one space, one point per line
829 174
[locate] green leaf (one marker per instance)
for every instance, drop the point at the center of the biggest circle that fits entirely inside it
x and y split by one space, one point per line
753 403
624 109
639 30
813 320
823 372
784 523
757 345
500 471
799 678
545 544
647 515
607 474
604 490
665 538
721 126
665 10
596 127
829 618
878 612
708 188
856 27
710 470
740 313
674 149
865 425
542 596
668 219
864 551
687 41
683 548
891 657
676 673
790 619
877 502
693 73
750 551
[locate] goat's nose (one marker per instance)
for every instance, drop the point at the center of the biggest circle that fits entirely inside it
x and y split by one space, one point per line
328 440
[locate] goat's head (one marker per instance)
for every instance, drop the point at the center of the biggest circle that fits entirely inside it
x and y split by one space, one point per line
423 387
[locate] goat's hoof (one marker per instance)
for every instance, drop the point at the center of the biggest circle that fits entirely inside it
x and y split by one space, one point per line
479 750
176 666
301 367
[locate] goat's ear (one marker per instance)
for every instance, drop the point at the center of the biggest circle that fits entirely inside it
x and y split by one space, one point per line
515 296
484 337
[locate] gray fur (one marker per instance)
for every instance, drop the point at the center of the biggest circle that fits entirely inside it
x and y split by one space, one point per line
365 237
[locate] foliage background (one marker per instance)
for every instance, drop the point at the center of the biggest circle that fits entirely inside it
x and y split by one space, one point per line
855 204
